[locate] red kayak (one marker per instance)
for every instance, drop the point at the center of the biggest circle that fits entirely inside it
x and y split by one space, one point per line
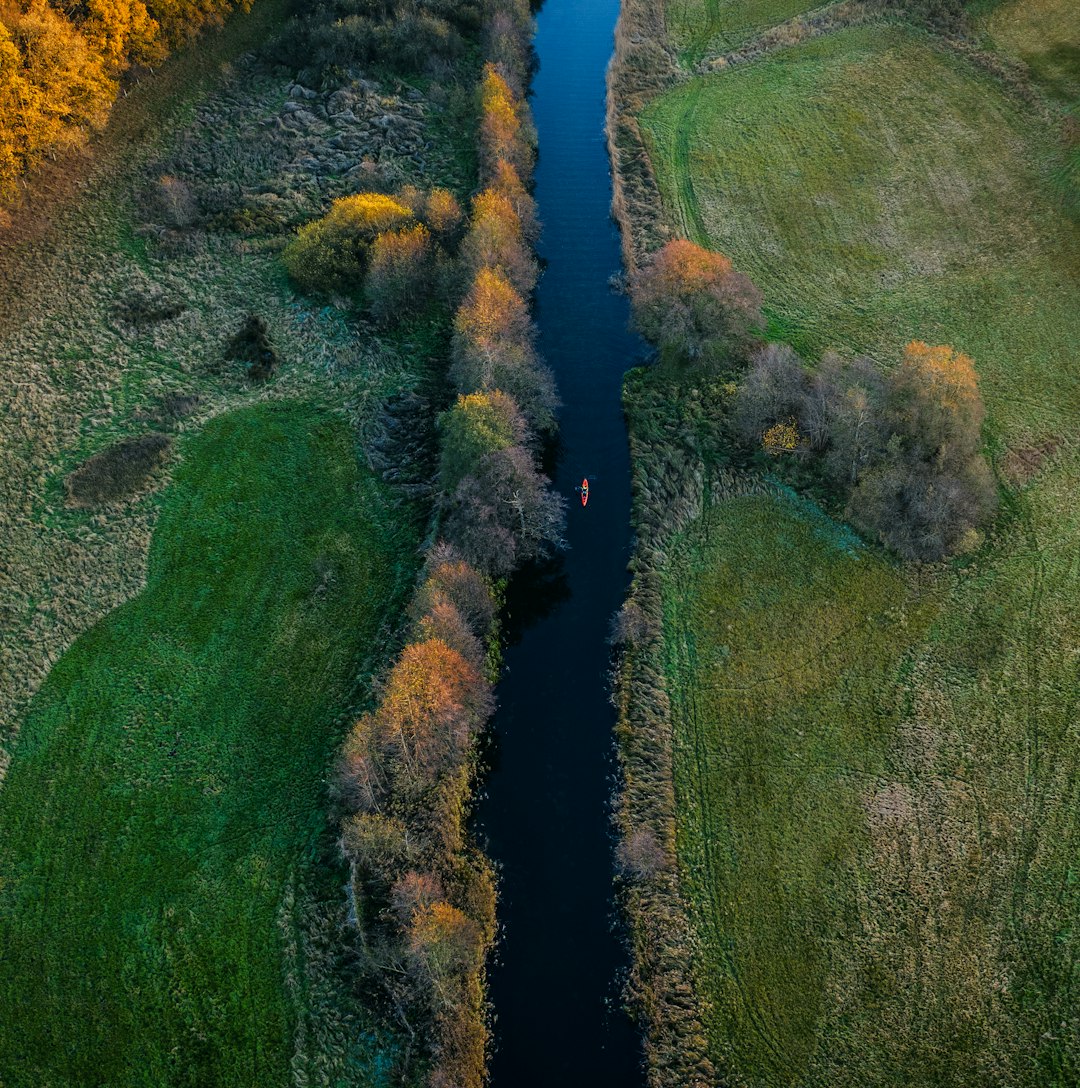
584 489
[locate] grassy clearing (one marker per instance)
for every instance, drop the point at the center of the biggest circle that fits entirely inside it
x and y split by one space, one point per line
698 27
877 787
873 208
781 630
167 794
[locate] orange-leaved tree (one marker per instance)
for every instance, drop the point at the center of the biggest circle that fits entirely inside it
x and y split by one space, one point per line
451 580
694 305
54 87
432 702
493 349
932 488
442 214
399 273
503 131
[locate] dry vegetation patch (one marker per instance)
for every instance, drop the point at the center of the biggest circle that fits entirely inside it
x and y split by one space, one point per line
117 472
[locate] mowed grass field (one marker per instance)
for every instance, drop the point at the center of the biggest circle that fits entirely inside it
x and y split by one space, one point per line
165 812
700 27
878 767
879 189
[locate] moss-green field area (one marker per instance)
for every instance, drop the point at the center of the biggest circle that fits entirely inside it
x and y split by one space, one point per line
1044 34
878 767
876 783
873 207
166 805
699 27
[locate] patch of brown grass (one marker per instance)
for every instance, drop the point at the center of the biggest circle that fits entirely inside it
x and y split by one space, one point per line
117 472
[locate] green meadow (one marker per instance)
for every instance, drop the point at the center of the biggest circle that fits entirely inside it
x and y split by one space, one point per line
880 189
164 818
877 767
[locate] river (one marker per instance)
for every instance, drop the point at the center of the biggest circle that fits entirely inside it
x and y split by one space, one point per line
544 816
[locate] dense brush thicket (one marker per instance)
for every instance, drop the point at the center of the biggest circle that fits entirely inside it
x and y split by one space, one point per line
426 36
60 66
424 898
902 449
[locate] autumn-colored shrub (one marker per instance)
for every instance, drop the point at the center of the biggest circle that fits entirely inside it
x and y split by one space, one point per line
476 425
493 349
413 892
934 403
932 487
505 180
904 448
444 622
432 702
398 279
54 88
332 253
444 945
495 240
443 216
505 132
450 579
694 306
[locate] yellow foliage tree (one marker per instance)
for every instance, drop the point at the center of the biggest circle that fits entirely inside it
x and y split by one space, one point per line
331 253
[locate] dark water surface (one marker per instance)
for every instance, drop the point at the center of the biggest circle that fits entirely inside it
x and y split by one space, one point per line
545 815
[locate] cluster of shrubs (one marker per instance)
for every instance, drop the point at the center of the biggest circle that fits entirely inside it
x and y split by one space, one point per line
408 36
60 65
902 448
426 908
393 251
499 508
424 900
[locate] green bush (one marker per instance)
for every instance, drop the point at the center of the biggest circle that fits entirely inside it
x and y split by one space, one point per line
476 425
332 253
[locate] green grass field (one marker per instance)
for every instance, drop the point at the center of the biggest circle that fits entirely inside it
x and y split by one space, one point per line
877 795
165 809
1044 34
873 208
878 768
781 632
699 27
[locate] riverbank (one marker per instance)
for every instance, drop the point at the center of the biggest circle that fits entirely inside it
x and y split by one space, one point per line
830 823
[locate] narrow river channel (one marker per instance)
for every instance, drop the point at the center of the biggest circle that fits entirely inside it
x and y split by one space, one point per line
544 817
